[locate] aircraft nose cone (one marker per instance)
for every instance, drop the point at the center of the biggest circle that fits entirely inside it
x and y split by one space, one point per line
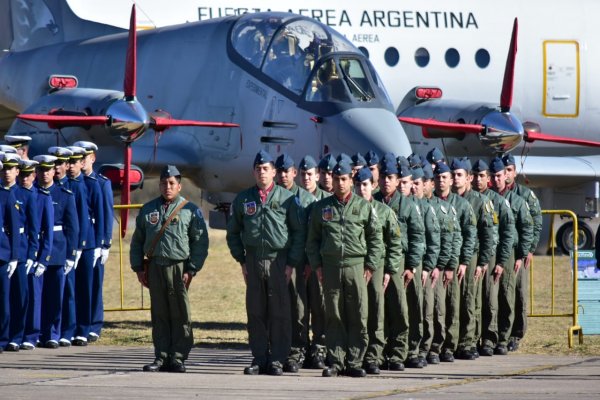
504 131
364 129
129 120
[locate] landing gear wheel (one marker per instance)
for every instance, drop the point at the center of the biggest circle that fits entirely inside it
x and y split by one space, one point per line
564 237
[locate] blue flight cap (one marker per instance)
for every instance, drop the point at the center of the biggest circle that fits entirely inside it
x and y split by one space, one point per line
508 159
434 155
441 167
496 165
371 158
388 158
363 174
307 163
263 157
415 160
427 171
402 161
284 162
358 160
388 168
417 173
404 171
342 168
480 166
344 157
461 163
327 163
169 171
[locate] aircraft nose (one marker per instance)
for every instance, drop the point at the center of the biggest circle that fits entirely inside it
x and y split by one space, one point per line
364 129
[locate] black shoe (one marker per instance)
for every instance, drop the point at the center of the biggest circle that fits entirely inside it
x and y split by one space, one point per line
372 369
464 354
330 372
396 366
12 347
64 342
446 357
290 366
275 369
423 361
513 345
51 344
177 366
93 337
413 362
156 366
79 342
500 350
317 362
475 352
356 372
486 351
252 370
433 358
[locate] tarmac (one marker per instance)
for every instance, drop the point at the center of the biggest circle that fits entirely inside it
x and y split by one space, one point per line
110 372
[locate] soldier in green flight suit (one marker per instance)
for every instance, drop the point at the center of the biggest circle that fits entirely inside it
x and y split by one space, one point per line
468 225
175 259
524 237
522 285
402 343
344 246
326 173
315 311
504 223
266 233
286 173
392 256
470 279
372 160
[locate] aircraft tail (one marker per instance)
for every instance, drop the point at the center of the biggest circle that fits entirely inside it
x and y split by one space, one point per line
27 24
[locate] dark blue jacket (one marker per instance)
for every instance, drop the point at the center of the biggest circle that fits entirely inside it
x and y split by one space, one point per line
66 231
108 203
77 186
9 221
46 217
29 221
95 236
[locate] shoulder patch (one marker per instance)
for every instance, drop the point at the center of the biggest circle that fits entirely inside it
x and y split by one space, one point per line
153 217
444 209
327 214
250 208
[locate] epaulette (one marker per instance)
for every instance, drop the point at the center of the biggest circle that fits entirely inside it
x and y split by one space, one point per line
102 177
90 177
5 188
64 189
44 191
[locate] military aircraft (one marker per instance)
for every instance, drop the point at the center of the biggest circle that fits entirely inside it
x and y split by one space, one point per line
457 48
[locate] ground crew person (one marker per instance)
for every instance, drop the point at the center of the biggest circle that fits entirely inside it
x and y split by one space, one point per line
468 225
524 237
62 256
77 186
326 173
175 256
436 280
372 160
266 233
35 277
344 246
20 143
62 155
470 279
315 311
504 238
392 256
522 285
286 173
9 244
412 229
107 227
27 249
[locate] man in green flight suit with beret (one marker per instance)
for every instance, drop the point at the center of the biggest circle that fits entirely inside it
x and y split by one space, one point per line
175 257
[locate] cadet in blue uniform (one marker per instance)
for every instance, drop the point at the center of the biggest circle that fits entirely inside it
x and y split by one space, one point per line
62 256
20 143
77 186
62 155
35 277
107 228
9 244
91 251
27 250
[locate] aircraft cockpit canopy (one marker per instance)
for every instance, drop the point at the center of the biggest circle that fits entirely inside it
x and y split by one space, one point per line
306 57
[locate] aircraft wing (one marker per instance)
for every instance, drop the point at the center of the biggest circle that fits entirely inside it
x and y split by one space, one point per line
558 171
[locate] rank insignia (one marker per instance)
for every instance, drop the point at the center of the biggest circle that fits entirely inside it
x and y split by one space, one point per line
327 214
153 217
250 208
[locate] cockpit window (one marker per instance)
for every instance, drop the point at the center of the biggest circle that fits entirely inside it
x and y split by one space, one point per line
340 80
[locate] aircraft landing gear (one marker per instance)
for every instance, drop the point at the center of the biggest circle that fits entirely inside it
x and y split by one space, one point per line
564 237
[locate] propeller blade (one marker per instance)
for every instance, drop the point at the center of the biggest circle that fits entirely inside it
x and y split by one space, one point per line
125 189
64 120
160 123
531 137
509 72
447 126
131 59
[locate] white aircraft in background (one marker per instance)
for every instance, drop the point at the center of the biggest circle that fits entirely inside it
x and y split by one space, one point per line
460 47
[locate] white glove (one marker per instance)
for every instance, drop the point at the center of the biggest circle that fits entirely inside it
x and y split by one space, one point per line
77 257
104 256
69 265
12 265
97 255
28 264
39 270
